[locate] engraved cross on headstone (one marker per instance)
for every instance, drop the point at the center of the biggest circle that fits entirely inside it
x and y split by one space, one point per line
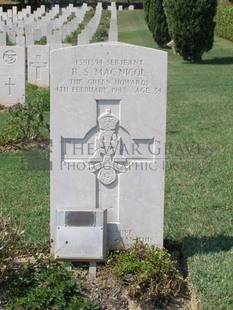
9 84
108 160
38 64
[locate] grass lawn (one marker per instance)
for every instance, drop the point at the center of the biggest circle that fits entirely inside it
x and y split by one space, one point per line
199 173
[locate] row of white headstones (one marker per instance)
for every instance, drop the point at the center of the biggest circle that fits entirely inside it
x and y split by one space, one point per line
24 28
34 27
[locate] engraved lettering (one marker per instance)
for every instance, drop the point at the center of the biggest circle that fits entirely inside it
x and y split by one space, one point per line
142 90
76 81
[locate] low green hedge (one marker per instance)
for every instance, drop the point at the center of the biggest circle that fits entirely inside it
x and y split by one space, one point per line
224 22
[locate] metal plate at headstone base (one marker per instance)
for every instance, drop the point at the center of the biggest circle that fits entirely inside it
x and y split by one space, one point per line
80 218
81 235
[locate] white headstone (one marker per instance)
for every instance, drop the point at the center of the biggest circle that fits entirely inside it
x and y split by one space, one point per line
2 38
38 65
29 39
113 29
28 9
12 36
12 75
37 34
9 13
14 10
108 119
20 41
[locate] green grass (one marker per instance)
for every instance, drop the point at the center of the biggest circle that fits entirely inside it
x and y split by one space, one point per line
24 195
132 29
199 173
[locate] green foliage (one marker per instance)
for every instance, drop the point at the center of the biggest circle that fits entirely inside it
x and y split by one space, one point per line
156 21
8 41
101 33
191 25
148 271
46 284
27 121
42 41
224 22
72 38
70 17
10 233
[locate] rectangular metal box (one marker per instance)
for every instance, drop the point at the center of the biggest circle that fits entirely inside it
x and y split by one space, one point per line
81 235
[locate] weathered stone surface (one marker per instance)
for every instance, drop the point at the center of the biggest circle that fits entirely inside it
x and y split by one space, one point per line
108 116
12 75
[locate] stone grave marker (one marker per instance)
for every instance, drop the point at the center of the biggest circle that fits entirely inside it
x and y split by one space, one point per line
2 38
20 40
12 75
39 62
38 65
108 119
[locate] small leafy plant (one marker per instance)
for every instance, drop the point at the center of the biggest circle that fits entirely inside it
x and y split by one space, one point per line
10 233
101 33
149 272
47 284
42 41
27 121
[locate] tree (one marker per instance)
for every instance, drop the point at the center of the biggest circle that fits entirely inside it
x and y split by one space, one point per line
191 25
156 21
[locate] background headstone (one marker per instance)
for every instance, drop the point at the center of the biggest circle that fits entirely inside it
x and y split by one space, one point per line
2 38
38 65
12 75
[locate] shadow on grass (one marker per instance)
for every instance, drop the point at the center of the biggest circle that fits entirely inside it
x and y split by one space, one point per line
206 244
191 245
219 61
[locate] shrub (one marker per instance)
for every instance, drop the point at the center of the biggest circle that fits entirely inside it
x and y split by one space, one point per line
101 33
224 22
27 121
42 41
156 21
46 284
191 25
148 271
10 233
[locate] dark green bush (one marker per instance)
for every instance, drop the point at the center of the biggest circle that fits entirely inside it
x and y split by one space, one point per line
191 25
156 21
224 22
